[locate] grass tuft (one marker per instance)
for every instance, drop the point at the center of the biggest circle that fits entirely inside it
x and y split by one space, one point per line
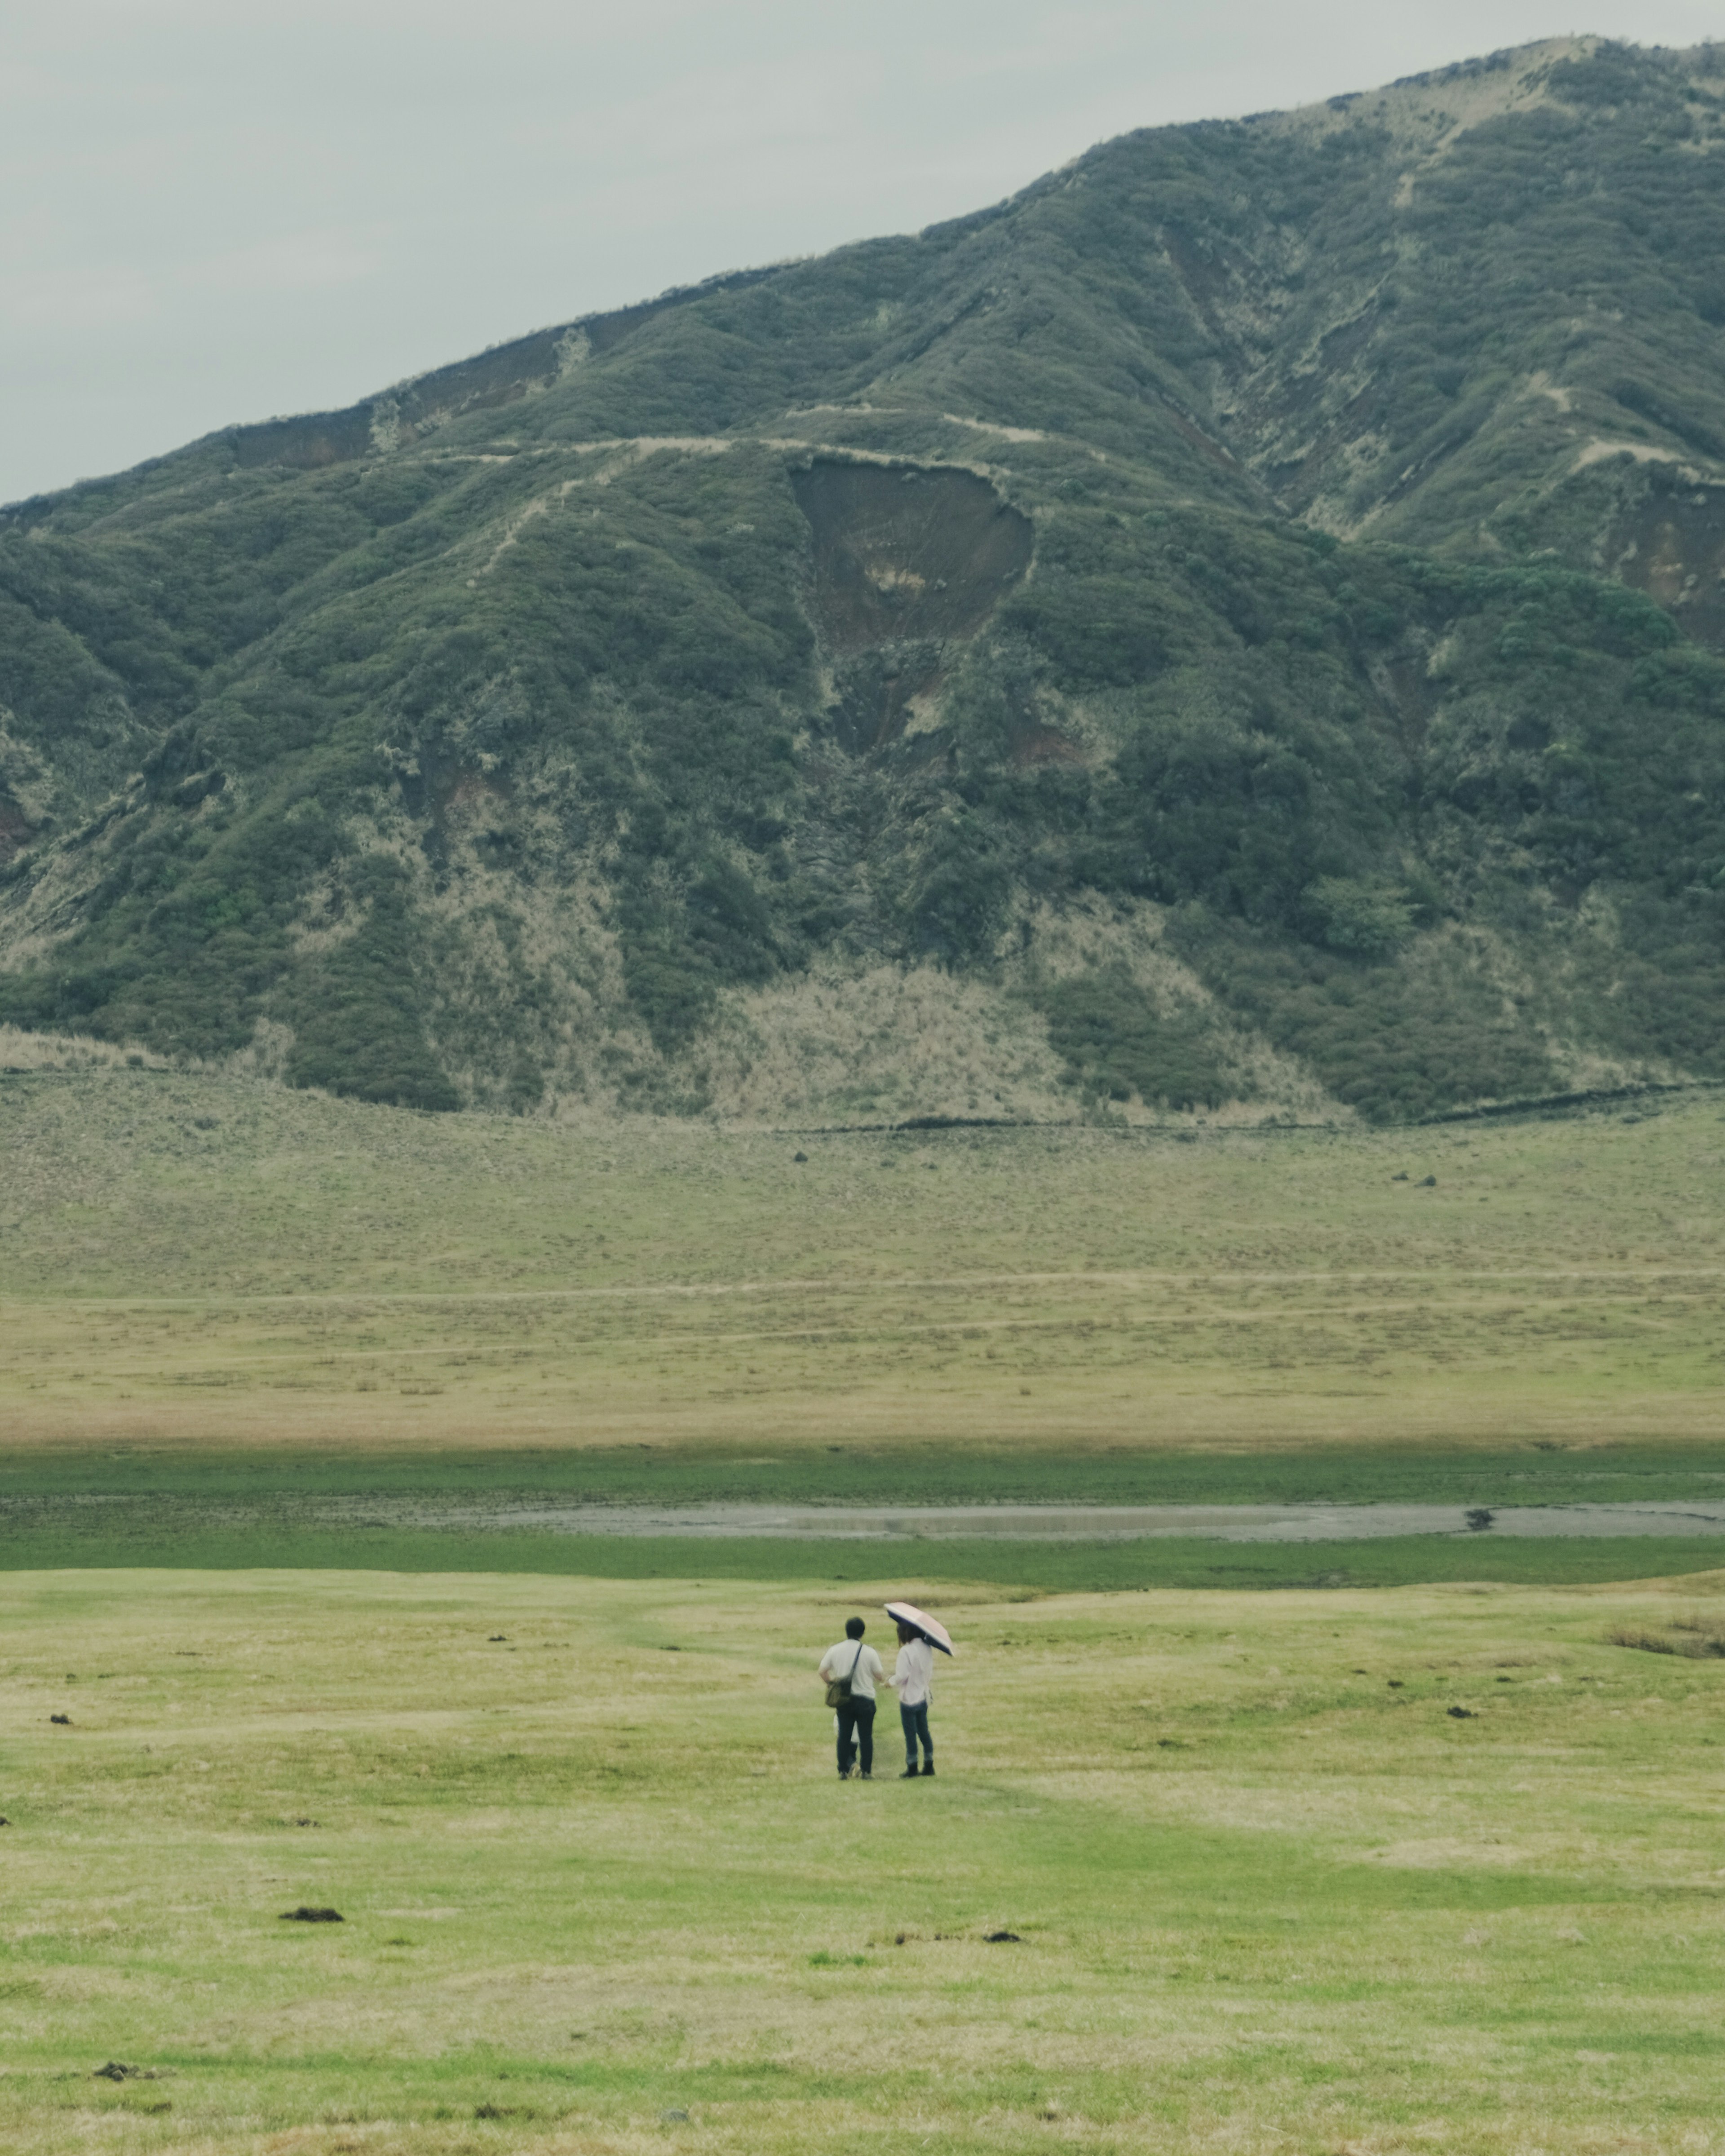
1699 1639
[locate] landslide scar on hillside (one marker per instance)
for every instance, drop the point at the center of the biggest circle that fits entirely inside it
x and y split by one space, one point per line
907 553
907 559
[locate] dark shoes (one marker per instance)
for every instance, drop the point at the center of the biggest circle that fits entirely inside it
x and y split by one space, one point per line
909 1775
928 1769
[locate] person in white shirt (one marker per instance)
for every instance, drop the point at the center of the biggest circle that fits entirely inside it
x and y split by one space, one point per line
913 1680
858 1668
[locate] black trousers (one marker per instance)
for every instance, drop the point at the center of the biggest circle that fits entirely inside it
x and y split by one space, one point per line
856 1732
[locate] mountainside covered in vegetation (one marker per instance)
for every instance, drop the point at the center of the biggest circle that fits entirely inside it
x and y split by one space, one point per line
1236 626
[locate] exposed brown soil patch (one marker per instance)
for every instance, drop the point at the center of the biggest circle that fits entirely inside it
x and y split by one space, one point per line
1044 745
876 689
908 561
1671 546
907 555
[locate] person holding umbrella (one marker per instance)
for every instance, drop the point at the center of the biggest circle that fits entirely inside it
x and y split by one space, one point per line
913 1680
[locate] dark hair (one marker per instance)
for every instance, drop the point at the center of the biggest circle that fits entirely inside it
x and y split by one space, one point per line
854 1628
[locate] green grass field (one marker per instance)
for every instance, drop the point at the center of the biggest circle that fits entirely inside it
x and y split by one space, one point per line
1270 1893
573 1795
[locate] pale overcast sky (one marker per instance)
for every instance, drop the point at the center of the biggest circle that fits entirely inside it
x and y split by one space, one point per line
215 211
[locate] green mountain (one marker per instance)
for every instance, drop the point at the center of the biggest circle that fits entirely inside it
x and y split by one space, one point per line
1237 625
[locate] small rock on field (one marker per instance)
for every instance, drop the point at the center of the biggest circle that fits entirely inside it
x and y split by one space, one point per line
673 2118
1462 1714
115 2071
497 1639
1401 1177
302 1915
64 1720
1428 1183
799 1156
995 1939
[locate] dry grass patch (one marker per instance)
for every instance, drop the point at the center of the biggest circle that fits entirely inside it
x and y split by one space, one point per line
21 1051
1699 1638
197 1260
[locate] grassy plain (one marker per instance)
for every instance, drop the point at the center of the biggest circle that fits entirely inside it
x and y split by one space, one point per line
211 1268
1270 1893
593 1866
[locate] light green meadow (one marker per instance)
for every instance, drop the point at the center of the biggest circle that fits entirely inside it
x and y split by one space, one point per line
191 1264
1269 1894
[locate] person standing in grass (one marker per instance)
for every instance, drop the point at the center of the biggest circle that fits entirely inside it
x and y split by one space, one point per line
913 1680
850 1671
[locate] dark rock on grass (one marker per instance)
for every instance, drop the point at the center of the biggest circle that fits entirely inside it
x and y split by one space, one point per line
999 1939
302 1915
1480 1518
1395 1684
497 1640
1428 1183
799 1156
117 2070
1462 1714
64 1720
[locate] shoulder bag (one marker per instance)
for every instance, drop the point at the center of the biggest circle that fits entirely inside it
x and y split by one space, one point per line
839 1688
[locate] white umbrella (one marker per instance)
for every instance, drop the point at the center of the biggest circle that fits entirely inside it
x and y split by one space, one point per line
931 1628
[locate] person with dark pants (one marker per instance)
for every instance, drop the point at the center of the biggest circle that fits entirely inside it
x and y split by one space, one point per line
850 1672
913 1678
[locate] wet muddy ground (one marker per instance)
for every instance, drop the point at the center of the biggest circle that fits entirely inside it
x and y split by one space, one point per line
1274 1523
